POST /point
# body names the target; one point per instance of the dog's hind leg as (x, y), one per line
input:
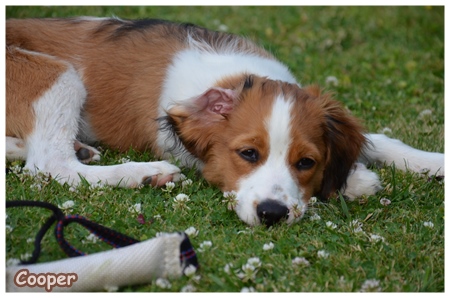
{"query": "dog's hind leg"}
(16, 150)
(50, 133)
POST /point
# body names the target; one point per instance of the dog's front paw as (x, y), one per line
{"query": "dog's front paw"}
(166, 172)
(433, 165)
(361, 181)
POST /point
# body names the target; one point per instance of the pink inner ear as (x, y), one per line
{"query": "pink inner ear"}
(217, 100)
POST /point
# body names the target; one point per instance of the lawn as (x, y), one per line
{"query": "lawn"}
(386, 64)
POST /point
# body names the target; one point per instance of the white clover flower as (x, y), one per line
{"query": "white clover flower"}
(428, 224)
(386, 130)
(30, 240)
(227, 268)
(180, 201)
(204, 246)
(16, 169)
(91, 238)
(425, 113)
(230, 199)
(385, 201)
(8, 228)
(312, 200)
(300, 261)
(331, 225)
(169, 186)
(186, 182)
(163, 283)
(323, 254)
(191, 232)
(67, 205)
(25, 256)
(124, 159)
(355, 222)
(223, 28)
(188, 289)
(358, 230)
(314, 217)
(248, 272)
(268, 246)
(376, 238)
(42, 177)
(36, 186)
(248, 290)
(356, 226)
(370, 285)
(248, 268)
(182, 198)
(190, 270)
(298, 211)
(136, 208)
(255, 261)
(157, 216)
(332, 80)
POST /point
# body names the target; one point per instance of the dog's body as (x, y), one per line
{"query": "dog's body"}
(207, 98)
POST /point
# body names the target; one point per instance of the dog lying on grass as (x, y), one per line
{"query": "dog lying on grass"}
(210, 99)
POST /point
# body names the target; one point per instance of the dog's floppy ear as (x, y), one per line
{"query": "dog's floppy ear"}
(344, 140)
(195, 121)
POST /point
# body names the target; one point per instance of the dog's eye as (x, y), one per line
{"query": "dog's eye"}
(250, 155)
(305, 164)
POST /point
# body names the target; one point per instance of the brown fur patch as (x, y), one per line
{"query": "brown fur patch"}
(123, 65)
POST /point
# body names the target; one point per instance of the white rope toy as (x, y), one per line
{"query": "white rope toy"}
(138, 263)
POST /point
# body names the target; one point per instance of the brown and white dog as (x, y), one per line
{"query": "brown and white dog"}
(209, 99)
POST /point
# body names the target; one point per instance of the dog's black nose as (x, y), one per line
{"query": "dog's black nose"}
(270, 212)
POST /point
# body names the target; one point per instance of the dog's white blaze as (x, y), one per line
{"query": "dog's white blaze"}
(272, 180)
(279, 130)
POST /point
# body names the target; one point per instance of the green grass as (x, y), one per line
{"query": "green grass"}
(389, 62)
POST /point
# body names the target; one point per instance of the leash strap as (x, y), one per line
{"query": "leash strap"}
(109, 236)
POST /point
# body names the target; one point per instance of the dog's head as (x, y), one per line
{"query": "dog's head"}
(272, 143)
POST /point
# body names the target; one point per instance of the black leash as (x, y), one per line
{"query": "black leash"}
(109, 236)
